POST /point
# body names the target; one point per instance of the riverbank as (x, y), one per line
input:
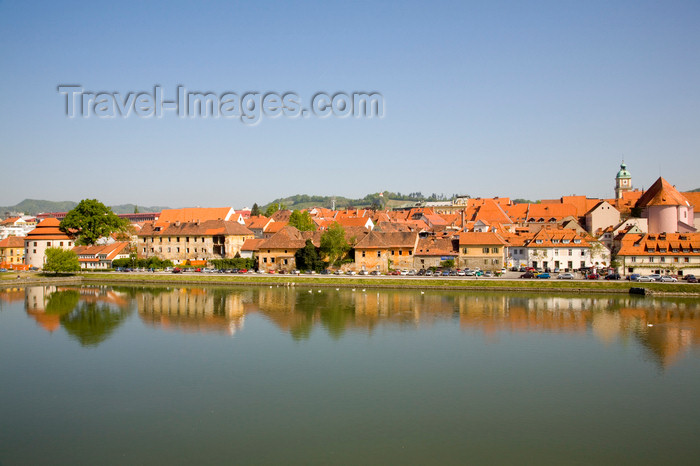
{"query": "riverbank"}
(680, 289)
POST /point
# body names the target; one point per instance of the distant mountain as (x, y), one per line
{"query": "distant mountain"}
(696, 190)
(129, 208)
(35, 206)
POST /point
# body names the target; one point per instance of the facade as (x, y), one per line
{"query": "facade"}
(17, 226)
(192, 241)
(11, 252)
(44, 236)
(431, 251)
(663, 253)
(385, 251)
(602, 216)
(482, 250)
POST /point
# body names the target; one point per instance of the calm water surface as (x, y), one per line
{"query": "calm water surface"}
(128, 375)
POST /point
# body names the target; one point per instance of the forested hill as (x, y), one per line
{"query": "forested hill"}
(36, 206)
(389, 199)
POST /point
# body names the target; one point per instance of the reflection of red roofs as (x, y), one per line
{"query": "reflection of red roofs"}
(49, 322)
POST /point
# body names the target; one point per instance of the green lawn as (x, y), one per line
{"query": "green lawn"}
(622, 286)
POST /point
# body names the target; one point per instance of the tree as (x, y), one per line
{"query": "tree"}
(255, 211)
(334, 246)
(136, 209)
(92, 220)
(302, 221)
(61, 260)
(307, 257)
(274, 207)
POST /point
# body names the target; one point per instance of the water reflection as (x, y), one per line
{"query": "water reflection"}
(667, 328)
(89, 315)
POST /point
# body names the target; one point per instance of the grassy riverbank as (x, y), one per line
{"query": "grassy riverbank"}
(27, 279)
(428, 283)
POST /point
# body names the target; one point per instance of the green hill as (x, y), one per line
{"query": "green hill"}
(388, 200)
(36, 206)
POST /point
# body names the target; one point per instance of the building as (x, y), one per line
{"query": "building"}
(481, 250)
(17, 226)
(600, 217)
(45, 235)
(666, 209)
(432, 251)
(662, 253)
(12, 252)
(623, 181)
(192, 241)
(98, 257)
(384, 251)
(276, 253)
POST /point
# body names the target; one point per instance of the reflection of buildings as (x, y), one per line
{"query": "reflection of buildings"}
(36, 298)
(665, 328)
(43, 305)
(193, 309)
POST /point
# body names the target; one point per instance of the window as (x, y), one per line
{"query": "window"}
(379, 253)
(400, 252)
(168, 249)
(272, 259)
(410, 252)
(495, 250)
(393, 252)
(556, 252)
(571, 252)
(633, 259)
(144, 250)
(485, 250)
(686, 259)
(651, 259)
(363, 253)
(285, 262)
(61, 243)
(187, 250)
(34, 243)
(663, 259)
(265, 260)
(177, 249)
(465, 250)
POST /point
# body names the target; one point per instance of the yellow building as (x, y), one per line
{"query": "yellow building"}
(483, 250)
(11, 251)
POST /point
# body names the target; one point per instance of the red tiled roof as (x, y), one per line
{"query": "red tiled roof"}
(662, 193)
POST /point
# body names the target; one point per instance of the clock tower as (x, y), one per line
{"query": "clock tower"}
(623, 181)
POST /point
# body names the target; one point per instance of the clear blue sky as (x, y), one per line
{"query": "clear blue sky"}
(511, 98)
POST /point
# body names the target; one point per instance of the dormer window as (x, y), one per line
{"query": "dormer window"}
(577, 241)
(555, 241)
(566, 241)
(538, 241)
(662, 249)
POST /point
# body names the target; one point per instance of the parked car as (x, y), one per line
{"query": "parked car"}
(612, 276)
(655, 277)
(461, 273)
(296, 272)
(528, 274)
(363, 272)
(668, 278)
(633, 277)
(176, 270)
(689, 277)
(644, 278)
(351, 272)
(488, 274)
(428, 273)
(376, 272)
(543, 275)
(565, 276)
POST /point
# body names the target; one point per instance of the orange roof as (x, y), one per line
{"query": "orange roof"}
(478, 238)
(662, 193)
(694, 199)
(274, 227)
(252, 244)
(257, 221)
(9, 221)
(663, 244)
(47, 229)
(12, 242)
(194, 214)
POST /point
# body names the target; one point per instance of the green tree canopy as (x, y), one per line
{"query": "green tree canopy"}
(334, 246)
(255, 211)
(61, 261)
(302, 221)
(274, 207)
(307, 258)
(92, 220)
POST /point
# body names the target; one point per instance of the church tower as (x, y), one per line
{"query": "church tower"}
(623, 181)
